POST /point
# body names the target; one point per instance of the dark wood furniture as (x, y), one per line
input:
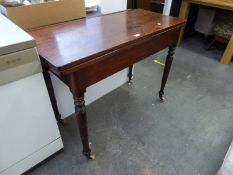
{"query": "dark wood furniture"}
(83, 52)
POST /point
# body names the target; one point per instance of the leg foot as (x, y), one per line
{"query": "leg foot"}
(80, 112)
(89, 155)
(130, 82)
(59, 120)
(130, 75)
(161, 97)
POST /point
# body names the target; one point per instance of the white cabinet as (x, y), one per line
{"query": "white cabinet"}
(28, 129)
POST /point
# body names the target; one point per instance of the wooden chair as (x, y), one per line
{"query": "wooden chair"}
(223, 29)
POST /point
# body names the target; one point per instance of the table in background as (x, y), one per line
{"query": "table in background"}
(222, 4)
(83, 52)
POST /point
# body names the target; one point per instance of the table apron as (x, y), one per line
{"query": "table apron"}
(102, 67)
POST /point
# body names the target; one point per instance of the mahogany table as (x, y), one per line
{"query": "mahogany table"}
(83, 52)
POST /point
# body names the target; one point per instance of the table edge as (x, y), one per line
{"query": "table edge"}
(63, 68)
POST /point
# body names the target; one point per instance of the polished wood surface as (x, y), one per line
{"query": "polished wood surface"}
(81, 53)
(222, 4)
(74, 42)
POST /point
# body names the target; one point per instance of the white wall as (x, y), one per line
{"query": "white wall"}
(167, 7)
(111, 6)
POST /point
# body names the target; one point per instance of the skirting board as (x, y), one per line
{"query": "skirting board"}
(34, 158)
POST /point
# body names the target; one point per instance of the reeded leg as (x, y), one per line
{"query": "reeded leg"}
(80, 112)
(130, 75)
(53, 100)
(167, 68)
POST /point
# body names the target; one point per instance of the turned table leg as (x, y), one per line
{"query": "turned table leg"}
(167, 68)
(80, 112)
(130, 74)
(52, 97)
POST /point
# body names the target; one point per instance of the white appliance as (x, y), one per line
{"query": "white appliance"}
(28, 129)
(167, 7)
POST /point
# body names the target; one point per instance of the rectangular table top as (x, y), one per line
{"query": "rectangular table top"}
(71, 43)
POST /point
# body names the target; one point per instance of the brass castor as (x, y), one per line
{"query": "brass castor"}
(89, 155)
(130, 82)
(161, 97)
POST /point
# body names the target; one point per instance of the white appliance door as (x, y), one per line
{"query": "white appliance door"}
(27, 122)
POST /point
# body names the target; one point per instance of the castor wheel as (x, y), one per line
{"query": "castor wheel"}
(130, 82)
(59, 120)
(89, 155)
(161, 97)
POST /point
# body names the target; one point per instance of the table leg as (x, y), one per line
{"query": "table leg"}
(52, 97)
(167, 68)
(228, 54)
(80, 112)
(130, 75)
(184, 12)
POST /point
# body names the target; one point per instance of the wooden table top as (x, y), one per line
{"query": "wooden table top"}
(72, 43)
(223, 4)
